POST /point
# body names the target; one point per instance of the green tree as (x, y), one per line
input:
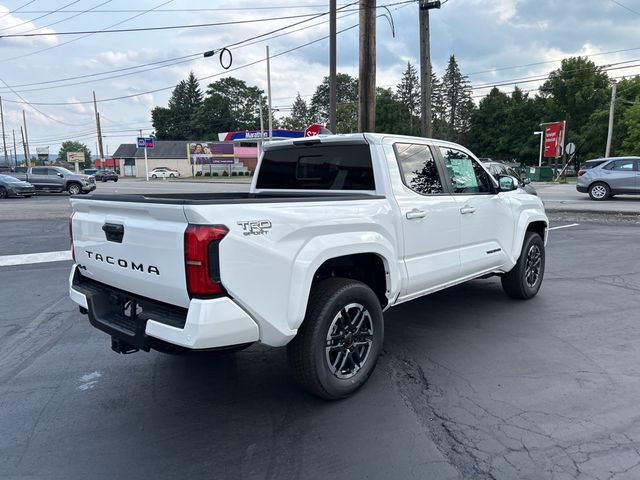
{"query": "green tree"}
(347, 98)
(489, 126)
(300, 117)
(408, 96)
(579, 92)
(74, 146)
(438, 107)
(389, 113)
(177, 121)
(457, 102)
(631, 120)
(230, 105)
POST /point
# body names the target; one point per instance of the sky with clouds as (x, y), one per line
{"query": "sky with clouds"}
(52, 77)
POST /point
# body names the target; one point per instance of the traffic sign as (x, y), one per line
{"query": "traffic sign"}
(570, 148)
(146, 142)
(312, 130)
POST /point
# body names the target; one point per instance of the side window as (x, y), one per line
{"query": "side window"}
(39, 171)
(467, 176)
(418, 168)
(52, 171)
(623, 165)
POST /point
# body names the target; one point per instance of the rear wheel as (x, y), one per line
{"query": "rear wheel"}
(599, 191)
(525, 278)
(74, 189)
(154, 176)
(171, 175)
(3, 193)
(340, 339)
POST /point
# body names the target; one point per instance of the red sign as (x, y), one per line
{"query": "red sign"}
(553, 138)
(313, 130)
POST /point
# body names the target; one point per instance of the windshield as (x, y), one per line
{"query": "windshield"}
(9, 179)
(64, 170)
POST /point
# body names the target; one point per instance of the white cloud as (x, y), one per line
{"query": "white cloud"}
(10, 24)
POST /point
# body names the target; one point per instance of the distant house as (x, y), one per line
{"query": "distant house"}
(166, 153)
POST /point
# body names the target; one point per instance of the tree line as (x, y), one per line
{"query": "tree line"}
(499, 126)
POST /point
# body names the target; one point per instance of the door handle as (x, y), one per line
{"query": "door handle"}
(415, 213)
(467, 209)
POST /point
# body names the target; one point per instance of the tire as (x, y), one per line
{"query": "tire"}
(4, 193)
(525, 278)
(172, 175)
(74, 189)
(309, 355)
(599, 191)
(115, 180)
(154, 176)
(104, 180)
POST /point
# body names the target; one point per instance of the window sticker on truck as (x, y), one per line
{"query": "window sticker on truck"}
(255, 227)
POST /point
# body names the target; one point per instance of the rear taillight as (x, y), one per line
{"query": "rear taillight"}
(73, 253)
(581, 172)
(201, 259)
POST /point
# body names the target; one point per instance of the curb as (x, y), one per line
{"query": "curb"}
(211, 181)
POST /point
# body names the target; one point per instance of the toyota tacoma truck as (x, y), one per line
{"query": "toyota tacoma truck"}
(55, 179)
(333, 231)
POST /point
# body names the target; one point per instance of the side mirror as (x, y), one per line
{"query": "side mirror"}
(526, 181)
(507, 183)
(60, 175)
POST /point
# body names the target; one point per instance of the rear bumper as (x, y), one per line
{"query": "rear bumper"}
(582, 189)
(206, 324)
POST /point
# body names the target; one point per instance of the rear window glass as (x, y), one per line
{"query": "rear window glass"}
(317, 167)
(592, 164)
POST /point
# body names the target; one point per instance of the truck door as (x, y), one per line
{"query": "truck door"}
(430, 220)
(487, 222)
(40, 179)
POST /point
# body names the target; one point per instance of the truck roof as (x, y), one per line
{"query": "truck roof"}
(372, 138)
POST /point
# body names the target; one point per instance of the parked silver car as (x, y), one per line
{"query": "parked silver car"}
(603, 178)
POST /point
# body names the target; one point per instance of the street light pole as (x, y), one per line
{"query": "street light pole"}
(541, 143)
(611, 112)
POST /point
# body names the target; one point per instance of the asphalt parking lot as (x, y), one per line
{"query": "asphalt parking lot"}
(472, 385)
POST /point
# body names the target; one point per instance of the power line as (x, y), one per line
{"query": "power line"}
(196, 10)
(83, 36)
(625, 7)
(170, 62)
(19, 8)
(174, 27)
(165, 27)
(38, 18)
(77, 14)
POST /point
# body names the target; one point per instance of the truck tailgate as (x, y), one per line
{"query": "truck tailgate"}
(136, 247)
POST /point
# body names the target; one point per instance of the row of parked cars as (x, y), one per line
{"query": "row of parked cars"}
(26, 181)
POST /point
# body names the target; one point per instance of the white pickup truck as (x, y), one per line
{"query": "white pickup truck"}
(334, 230)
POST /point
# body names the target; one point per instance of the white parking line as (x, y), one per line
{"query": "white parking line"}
(564, 226)
(29, 258)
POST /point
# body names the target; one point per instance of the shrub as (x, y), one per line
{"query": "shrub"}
(215, 174)
(234, 174)
(198, 174)
(207, 174)
(225, 173)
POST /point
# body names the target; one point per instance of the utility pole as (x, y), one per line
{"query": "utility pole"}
(24, 147)
(26, 140)
(333, 86)
(4, 140)
(611, 112)
(269, 94)
(95, 108)
(15, 150)
(426, 129)
(367, 67)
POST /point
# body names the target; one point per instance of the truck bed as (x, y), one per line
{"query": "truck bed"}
(230, 198)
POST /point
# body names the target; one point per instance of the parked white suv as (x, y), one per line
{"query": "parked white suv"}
(335, 230)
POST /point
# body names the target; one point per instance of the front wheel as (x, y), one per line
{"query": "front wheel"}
(74, 189)
(172, 175)
(525, 278)
(3, 193)
(340, 339)
(599, 191)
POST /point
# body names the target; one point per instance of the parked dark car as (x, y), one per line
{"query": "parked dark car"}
(498, 168)
(12, 187)
(105, 176)
(90, 171)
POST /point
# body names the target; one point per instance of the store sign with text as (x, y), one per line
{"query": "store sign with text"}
(553, 139)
